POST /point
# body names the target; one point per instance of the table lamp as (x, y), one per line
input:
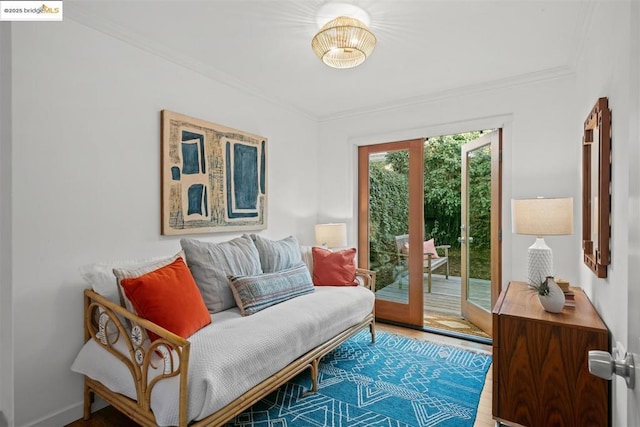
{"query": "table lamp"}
(333, 235)
(541, 217)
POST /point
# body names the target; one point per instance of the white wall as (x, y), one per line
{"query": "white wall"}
(633, 410)
(543, 131)
(6, 378)
(86, 184)
(540, 150)
(605, 70)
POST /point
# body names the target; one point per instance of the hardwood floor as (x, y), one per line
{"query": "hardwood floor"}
(108, 417)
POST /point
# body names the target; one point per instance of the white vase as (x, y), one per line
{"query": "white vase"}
(554, 301)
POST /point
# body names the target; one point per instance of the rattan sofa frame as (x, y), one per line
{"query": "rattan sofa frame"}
(104, 325)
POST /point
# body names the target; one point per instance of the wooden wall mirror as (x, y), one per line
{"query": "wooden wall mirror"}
(596, 188)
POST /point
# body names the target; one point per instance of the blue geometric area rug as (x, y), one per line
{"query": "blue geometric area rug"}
(395, 382)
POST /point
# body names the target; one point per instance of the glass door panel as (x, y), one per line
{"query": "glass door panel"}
(390, 220)
(478, 281)
(479, 231)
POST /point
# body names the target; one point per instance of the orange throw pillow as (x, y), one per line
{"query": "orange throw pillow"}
(169, 297)
(334, 268)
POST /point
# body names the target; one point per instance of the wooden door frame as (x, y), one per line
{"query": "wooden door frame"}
(413, 312)
(481, 318)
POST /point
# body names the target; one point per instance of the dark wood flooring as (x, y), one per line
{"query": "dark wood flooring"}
(106, 417)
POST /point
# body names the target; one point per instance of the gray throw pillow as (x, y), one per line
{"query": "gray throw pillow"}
(277, 255)
(212, 263)
(255, 293)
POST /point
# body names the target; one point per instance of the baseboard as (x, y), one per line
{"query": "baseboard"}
(59, 418)
(67, 415)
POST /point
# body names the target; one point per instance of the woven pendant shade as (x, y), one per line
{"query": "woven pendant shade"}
(343, 42)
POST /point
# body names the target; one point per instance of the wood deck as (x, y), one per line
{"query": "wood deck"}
(445, 294)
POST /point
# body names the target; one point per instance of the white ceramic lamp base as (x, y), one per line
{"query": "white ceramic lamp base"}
(540, 262)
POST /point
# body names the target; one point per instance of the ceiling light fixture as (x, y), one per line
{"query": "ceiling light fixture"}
(344, 42)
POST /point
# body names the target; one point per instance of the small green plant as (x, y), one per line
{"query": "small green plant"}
(542, 287)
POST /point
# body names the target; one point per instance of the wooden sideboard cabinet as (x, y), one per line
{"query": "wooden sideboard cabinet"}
(540, 362)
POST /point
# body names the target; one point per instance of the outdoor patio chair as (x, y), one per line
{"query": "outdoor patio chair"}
(430, 263)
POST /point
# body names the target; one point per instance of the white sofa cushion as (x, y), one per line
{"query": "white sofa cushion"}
(235, 353)
(99, 275)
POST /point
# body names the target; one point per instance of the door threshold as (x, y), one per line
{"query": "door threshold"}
(443, 332)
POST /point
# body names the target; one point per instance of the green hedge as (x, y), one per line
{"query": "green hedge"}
(389, 204)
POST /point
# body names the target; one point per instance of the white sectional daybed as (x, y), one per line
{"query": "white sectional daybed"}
(243, 354)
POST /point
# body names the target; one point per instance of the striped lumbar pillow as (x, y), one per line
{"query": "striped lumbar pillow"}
(255, 293)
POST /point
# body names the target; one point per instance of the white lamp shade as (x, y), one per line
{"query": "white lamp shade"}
(332, 235)
(542, 217)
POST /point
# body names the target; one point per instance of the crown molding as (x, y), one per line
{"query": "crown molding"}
(583, 24)
(466, 124)
(433, 97)
(78, 13)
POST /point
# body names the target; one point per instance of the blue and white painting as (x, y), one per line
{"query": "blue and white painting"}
(214, 178)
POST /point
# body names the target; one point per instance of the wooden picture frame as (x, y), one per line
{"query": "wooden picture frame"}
(596, 188)
(214, 178)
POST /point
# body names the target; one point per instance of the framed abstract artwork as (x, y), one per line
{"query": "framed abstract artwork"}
(214, 178)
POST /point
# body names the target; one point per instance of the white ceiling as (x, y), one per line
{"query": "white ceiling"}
(425, 48)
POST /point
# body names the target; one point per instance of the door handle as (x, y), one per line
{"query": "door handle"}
(604, 365)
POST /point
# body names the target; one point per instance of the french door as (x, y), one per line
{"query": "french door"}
(480, 228)
(399, 281)
(391, 215)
